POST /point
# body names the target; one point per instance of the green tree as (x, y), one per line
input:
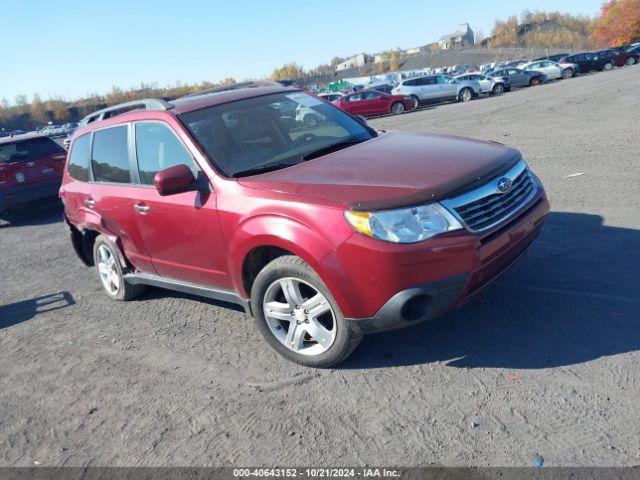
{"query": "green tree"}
(288, 71)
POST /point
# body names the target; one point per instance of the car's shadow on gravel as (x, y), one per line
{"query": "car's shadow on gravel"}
(33, 216)
(571, 299)
(18, 312)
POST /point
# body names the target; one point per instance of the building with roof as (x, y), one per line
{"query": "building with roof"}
(463, 37)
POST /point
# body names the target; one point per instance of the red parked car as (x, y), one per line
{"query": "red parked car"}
(31, 169)
(620, 56)
(323, 234)
(369, 103)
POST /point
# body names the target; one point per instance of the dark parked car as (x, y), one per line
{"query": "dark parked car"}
(518, 77)
(322, 234)
(588, 62)
(372, 102)
(30, 170)
(620, 56)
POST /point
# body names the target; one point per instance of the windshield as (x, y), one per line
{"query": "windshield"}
(272, 131)
(26, 150)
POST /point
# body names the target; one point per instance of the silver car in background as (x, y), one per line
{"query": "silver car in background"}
(493, 86)
(553, 70)
(437, 88)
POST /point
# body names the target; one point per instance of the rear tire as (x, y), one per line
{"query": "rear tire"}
(465, 95)
(111, 273)
(397, 108)
(630, 61)
(535, 81)
(567, 73)
(268, 298)
(416, 101)
(607, 66)
(497, 89)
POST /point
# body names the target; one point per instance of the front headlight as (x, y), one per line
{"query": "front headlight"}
(406, 225)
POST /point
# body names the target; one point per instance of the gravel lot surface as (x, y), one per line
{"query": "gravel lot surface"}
(546, 361)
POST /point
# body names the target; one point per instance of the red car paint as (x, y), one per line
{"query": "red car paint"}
(31, 168)
(369, 103)
(206, 237)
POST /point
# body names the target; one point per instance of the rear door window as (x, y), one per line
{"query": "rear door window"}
(79, 159)
(371, 95)
(157, 148)
(110, 155)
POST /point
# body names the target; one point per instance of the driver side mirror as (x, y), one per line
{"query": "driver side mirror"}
(362, 121)
(176, 179)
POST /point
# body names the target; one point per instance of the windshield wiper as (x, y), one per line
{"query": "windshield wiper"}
(261, 169)
(331, 148)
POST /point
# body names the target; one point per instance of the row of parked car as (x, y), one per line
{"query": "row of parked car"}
(493, 79)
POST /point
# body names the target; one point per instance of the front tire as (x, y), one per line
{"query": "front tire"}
(111, 273)
(567, 73)
(297, 315)
(630, 61)
(607, 66)
(465, 95)
(397, 108)
(497, 89)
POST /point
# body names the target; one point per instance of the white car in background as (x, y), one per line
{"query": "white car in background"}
(553, 70)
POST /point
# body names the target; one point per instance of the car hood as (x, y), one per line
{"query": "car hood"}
(392, 170)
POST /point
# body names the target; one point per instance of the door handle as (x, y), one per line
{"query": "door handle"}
(141, 208)
(89, 203)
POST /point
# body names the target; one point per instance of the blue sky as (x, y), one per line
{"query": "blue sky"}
(71, 47)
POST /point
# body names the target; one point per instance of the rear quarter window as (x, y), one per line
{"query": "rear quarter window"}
(79, 159)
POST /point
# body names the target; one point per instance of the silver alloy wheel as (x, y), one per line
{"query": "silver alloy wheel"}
(630, 61)
(608, 66)
(108, 270)
(466, 95)
(397, 108)
(498, 88)
(299, 316)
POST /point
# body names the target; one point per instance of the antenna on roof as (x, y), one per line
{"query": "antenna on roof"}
(144, 104)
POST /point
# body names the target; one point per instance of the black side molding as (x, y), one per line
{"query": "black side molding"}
(190, 288)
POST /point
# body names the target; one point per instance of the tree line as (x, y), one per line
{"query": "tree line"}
(617, 24)
(24, 114)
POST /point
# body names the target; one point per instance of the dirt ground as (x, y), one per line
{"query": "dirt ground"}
(546, 361)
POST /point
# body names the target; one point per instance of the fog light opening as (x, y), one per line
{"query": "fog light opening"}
(416, 308)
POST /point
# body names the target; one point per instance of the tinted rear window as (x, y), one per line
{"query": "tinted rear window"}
(25, 150)
(79, 159)
(110, 155)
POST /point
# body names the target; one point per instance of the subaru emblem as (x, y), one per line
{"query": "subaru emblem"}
(504, 185)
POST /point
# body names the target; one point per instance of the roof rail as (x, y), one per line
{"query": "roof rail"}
(146, 104)
(234, 86)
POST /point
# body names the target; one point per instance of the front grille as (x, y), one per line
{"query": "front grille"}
(486, 206)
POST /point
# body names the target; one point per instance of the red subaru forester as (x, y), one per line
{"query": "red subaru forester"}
(322, 233)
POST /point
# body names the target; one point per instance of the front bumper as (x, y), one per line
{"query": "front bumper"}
(455, 269)
(28, 194)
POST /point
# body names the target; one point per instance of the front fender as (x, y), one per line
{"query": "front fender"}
(281, 232)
